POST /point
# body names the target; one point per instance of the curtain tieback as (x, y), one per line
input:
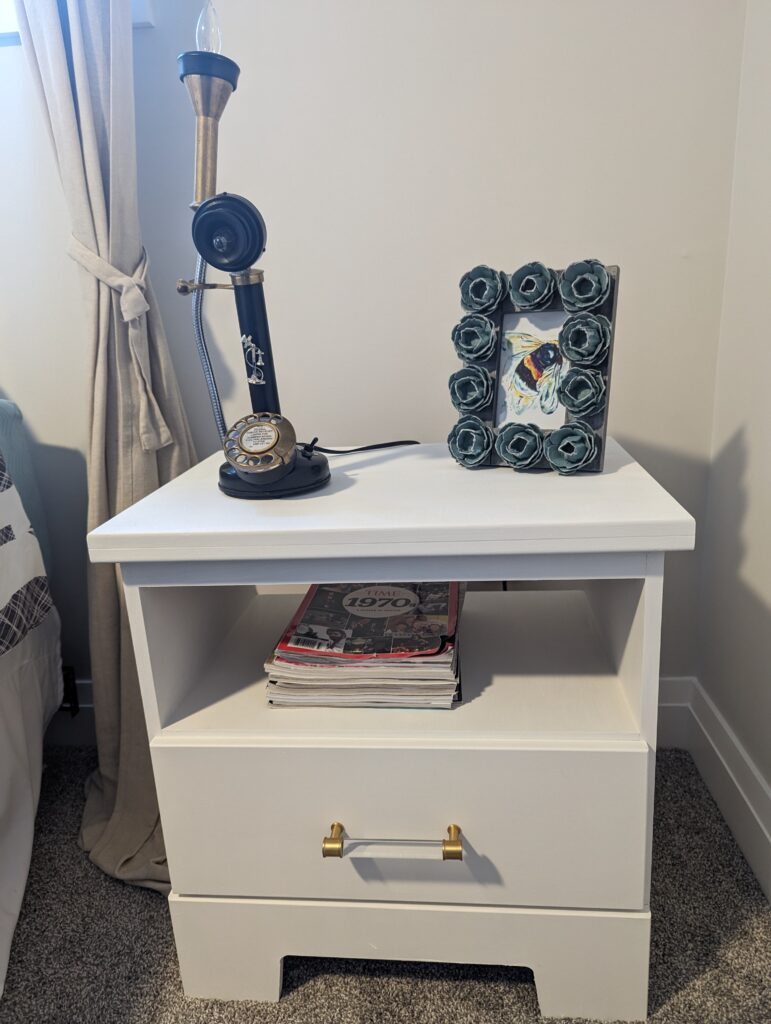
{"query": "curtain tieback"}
(154, 432)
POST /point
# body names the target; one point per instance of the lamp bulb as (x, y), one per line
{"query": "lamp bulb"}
(207, 31)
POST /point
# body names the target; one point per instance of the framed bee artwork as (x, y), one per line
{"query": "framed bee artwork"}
(537, 349)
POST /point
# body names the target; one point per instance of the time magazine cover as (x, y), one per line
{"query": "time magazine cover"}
(341, 621)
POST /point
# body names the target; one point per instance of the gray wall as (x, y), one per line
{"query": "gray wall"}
(390, 147)
(735, 664)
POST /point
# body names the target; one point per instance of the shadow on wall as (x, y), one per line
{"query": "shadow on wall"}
(61, 478)
(686, 478)
(712, 615)
(735, 620)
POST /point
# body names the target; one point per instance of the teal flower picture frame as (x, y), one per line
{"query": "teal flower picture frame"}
(536, 350)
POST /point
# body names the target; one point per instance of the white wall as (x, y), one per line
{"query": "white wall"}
(392, 146)
(736, 609)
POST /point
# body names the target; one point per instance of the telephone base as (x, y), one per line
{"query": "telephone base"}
(309, 472)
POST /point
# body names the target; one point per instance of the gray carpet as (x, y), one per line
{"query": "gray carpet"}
(89, 950)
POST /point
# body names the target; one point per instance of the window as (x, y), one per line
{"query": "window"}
(9, 25)
(141, 10)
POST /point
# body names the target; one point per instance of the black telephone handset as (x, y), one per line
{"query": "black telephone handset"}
(263, 458)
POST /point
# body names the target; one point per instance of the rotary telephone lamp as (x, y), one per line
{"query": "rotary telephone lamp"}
(263, 459)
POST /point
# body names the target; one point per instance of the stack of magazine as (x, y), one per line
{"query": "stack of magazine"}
(369, 645)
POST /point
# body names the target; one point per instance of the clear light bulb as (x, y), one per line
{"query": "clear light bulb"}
(207, 31)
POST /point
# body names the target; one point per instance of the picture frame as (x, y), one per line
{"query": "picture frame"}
(536, 348)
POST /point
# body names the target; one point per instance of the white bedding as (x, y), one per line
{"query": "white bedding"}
(30, 692)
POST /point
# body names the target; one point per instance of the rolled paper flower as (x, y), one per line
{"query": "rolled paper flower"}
(584, 285)
(520, 444)
(571, 447)
(481, 289)
(584, 339)
(470, 441)
(474, 338)
(532, 286)
(582, 392)
(471, 389)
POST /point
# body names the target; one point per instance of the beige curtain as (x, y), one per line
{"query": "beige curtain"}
(80, 52)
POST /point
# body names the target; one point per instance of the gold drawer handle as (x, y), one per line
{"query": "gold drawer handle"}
(452, 847)
(332, 845)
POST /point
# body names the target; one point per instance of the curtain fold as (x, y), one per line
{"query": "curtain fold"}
(80, 53)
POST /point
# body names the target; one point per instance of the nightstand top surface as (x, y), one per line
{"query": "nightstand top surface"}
(399, 502)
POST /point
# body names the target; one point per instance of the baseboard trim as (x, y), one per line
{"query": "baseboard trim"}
(689, 719)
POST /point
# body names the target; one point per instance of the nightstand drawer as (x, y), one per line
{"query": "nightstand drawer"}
(540, 827)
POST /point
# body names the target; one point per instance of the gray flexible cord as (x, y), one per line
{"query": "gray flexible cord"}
(203, 352)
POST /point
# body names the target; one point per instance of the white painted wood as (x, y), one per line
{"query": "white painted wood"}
(689, 719)
(628, 614)
(746, 778)
(618, 611)
(183, 628)
(742, 797)
(650, 651)
(142, 656)
(675, 724)
(411, 501)
(676, 690)
(519, 684)
(565, 566)
(589, 964)
(739, 789)
(546, 828)
(547, 765)
(648, 673)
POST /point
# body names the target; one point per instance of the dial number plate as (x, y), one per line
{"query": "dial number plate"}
(259, 438)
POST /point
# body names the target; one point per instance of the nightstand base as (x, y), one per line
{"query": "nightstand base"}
(586, 963)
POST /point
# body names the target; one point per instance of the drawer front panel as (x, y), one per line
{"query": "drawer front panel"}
(547, 828)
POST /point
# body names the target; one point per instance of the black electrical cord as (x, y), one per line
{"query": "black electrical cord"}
(311, 446)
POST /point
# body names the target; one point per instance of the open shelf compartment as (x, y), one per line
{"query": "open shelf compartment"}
(560, 662)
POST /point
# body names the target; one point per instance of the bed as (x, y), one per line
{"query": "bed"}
(30, 666)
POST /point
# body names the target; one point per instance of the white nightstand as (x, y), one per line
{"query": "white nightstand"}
(547, 766)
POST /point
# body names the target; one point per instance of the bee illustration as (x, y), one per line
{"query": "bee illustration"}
(534, 375)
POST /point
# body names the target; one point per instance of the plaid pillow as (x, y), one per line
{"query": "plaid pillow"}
(25, 599)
